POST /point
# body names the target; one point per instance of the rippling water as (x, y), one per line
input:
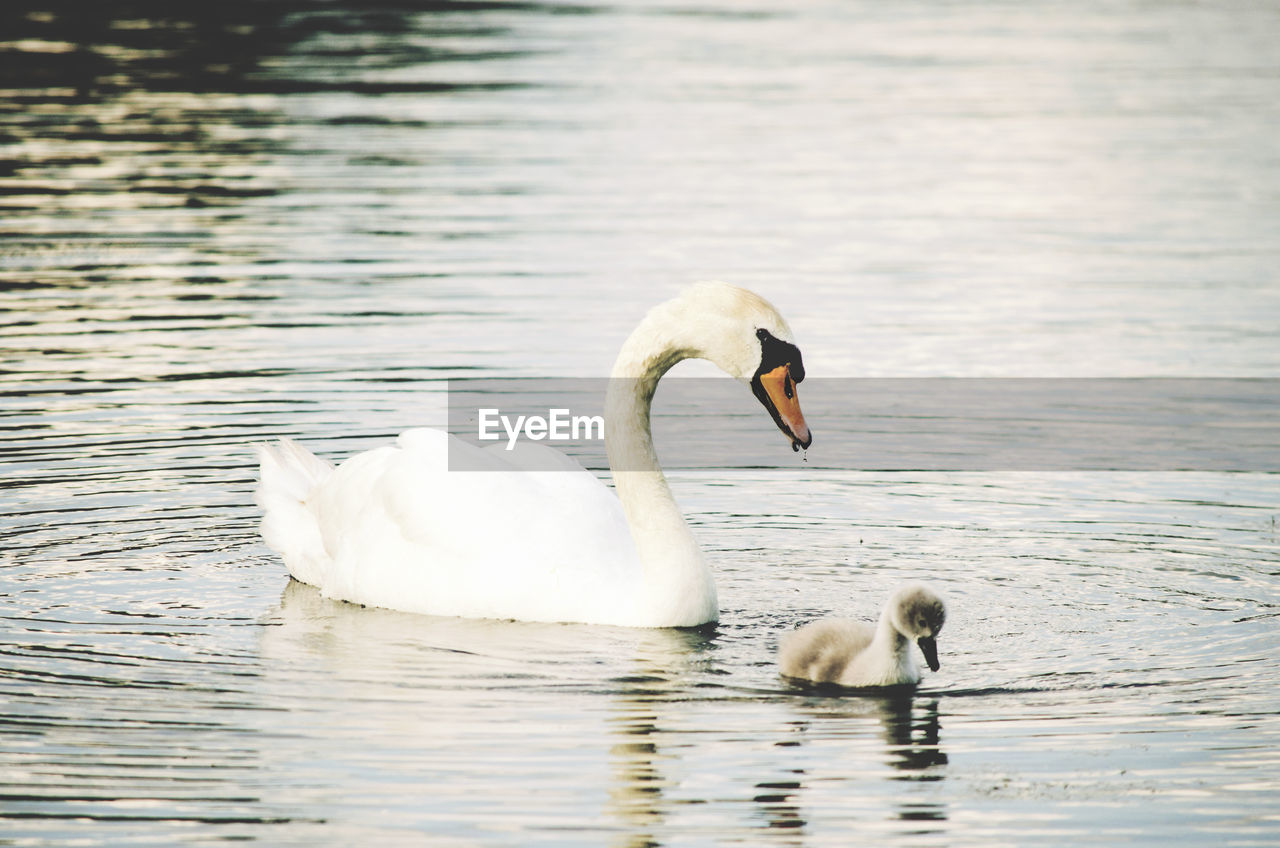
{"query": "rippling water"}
(229, 223)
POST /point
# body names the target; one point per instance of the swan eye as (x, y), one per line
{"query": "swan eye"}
(762, 333)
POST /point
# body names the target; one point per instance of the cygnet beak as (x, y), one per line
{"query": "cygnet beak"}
(930, 650)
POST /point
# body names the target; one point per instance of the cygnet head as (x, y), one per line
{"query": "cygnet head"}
(918, 613)
(743, 334)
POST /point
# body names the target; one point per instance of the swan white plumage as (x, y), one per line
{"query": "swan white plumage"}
(855, 654)
(393, 527)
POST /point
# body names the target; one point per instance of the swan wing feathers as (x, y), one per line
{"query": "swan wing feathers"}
(822, 650)
(402, 531)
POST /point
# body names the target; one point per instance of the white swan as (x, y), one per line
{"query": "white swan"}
(855, 654)
(393, 528)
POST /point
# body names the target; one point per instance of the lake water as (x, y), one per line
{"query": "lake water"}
(243, 220)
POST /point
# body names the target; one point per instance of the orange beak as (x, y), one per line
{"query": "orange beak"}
(781, 400)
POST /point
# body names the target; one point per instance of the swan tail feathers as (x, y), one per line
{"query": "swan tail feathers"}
(288, 474)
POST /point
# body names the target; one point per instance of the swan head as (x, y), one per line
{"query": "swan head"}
(743, 334)
(918, 613)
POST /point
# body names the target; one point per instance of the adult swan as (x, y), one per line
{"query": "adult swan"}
(393, 528)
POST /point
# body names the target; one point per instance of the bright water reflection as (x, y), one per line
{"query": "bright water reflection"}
(240, 220)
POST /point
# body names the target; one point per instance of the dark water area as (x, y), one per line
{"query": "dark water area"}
(223, 223)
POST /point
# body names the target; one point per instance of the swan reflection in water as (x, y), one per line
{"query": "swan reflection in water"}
(474, 724)
(486, 724)
(643, 724)
(651, 709)
(909, 729)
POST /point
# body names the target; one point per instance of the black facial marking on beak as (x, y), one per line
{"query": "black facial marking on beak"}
(930, 650)
(774, 385)
(775, 352)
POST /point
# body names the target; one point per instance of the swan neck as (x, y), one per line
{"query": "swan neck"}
(678, 587)
(888, 635)
(647, 354)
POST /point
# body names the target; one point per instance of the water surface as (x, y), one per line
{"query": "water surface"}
(226, 224)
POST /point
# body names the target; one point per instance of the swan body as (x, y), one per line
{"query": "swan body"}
(856, 654)
(393, 527)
